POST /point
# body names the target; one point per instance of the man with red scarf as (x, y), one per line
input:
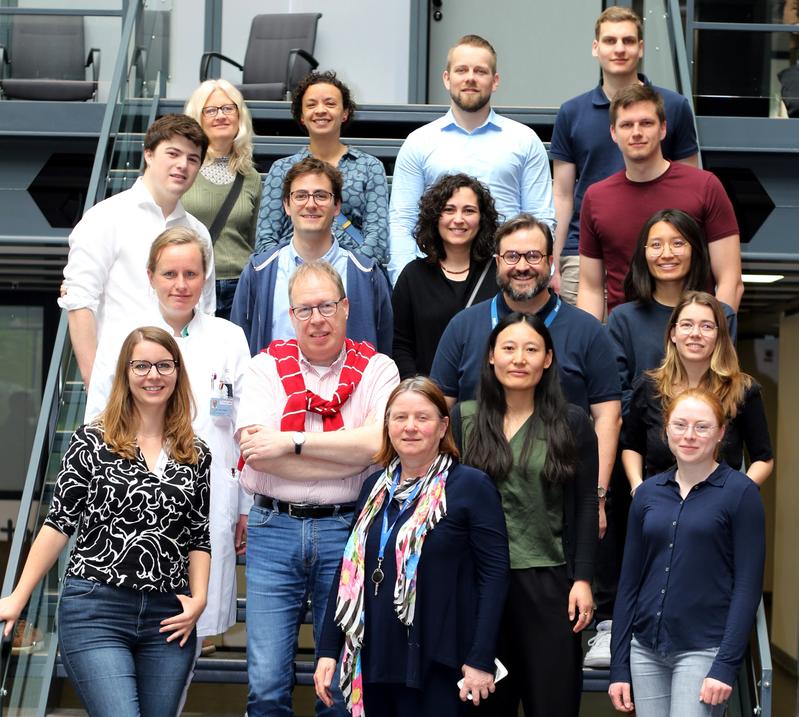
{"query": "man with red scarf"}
(310, 420)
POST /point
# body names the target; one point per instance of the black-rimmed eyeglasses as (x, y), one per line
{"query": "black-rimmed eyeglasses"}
(224, 109)
(511, 257)
(326, 309)
(142, 368)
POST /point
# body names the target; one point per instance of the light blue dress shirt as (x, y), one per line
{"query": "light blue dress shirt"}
(288, 261)
(504, 154)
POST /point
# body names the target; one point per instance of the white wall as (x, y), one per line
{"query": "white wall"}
(365, 41)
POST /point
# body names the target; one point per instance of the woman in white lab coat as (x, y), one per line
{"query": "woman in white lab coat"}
(215, 354)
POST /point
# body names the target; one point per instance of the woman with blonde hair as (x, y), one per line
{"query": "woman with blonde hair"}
(227, 192)
(698, 354)
(134, 485)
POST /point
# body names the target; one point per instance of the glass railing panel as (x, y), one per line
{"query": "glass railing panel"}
(737, 72)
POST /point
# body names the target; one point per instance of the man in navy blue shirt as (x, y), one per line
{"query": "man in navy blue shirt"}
(582, 348)
(582, 148)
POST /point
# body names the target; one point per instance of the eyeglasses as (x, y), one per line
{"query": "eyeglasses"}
(320, 197)
(224, 109)
(512, 258)
(165, 367)
(680, 428)
(706, 328)
(326, 309)
(656, 247)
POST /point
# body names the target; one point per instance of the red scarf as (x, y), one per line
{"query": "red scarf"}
(300, 400)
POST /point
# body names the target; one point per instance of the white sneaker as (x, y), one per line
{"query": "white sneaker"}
(599, 654)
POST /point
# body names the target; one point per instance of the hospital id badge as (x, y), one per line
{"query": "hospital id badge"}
(222, 406)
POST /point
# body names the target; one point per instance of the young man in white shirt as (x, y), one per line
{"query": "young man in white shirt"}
(105, 287)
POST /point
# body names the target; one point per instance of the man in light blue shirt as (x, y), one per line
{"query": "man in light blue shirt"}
(505, 155)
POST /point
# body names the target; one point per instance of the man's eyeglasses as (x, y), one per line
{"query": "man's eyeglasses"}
(511, 257)
(657, 247)
(706, 328)
(165, 367)
(326, 309)
(224, 109)
(320, 197)
(680, 428)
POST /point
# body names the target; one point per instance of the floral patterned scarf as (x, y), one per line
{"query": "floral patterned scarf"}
(431, 507)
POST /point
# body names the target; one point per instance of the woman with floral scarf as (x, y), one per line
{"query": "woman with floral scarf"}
(419, 597)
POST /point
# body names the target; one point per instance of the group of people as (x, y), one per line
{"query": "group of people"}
(398, 412)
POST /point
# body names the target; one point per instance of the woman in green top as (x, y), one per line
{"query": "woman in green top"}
(542, 453)
(220, 109)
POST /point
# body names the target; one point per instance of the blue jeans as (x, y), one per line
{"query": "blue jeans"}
(668, 686)
(288, 561)
(112, 650)
(225, 291)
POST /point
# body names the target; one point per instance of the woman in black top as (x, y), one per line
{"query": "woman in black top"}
(135, 486)
(698, 354)
(542, 454)
(455, 230)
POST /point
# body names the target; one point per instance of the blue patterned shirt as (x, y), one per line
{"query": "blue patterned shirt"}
(505, 155)
(364, 203)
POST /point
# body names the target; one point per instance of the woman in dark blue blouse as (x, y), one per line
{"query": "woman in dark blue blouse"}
(692, 574)
(134, 485)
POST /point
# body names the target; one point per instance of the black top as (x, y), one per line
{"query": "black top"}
(461, 582)
(424, 301)
(580, 510)
(135, 529)
(642, 430)
(692, 573)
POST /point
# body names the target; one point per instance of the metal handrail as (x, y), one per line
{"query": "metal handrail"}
(55, 383)
(766, 680)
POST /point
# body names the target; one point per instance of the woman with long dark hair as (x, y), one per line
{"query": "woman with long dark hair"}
(698, 354)
(134, 485)
(542, 454)
(455, 230)
(670, 258)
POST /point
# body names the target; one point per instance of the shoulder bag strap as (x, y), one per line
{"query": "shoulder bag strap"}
(227, 206)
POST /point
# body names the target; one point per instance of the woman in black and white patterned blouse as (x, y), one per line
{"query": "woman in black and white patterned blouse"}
(135, 486)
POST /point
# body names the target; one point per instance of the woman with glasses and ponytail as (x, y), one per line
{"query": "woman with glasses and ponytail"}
(134, 485)
(692, 573)
(698, 354)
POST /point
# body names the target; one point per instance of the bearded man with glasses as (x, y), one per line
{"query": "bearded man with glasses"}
(309, 423)
(312, 199)
(584, 354)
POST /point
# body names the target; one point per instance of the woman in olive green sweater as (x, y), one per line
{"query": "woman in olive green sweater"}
(220, 109)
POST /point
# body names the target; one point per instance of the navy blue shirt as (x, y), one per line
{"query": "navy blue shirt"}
(581, 136)
(638, 331)
(583, 351)
(692, 573)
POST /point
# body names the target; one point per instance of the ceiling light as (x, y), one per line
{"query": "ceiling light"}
(761, 278)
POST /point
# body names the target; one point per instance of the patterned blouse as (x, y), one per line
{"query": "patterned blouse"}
(135, 528)
(364, 201)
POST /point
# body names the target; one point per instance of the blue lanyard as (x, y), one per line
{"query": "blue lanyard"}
(386, 528)
(547, 321)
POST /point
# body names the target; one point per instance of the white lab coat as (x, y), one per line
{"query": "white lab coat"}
(214, 352)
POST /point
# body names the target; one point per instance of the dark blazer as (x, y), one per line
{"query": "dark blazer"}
(462, 581)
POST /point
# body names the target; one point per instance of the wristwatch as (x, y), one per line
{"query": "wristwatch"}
(299, 439)
(601, 492)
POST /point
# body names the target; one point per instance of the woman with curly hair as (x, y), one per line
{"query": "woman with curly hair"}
(322, 105)
(698, 354)
(226, 194)
(455, 230)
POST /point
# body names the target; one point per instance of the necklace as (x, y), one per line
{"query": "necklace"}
(450, 271)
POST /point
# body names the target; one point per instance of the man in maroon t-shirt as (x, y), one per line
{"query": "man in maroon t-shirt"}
(615, 209)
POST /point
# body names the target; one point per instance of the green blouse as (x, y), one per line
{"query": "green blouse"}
(533, 507)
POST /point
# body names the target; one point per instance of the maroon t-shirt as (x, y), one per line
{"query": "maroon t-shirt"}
(615, 209)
